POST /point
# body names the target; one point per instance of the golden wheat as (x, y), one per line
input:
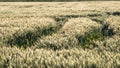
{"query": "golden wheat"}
(51, 34)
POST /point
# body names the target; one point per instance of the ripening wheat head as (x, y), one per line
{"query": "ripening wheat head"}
(79, 26)
(114, 23)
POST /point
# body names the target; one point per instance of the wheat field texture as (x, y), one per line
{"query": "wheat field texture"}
(60, 34)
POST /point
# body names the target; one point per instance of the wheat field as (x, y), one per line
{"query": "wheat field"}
(60, 34)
